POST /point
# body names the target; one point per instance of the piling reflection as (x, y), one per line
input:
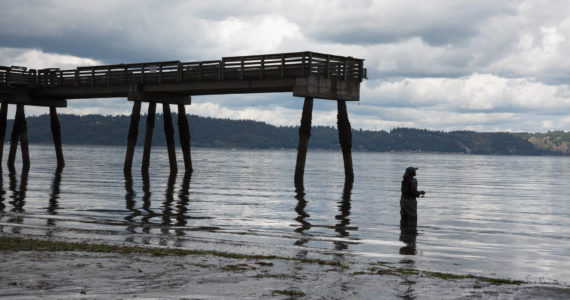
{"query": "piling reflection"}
(301, 214)
(55, 191)
(53, 204)
(183, 200)
(18, 190)
(167, 204)
(2, 194)
(130, 203)
(148, 213)
(18, 196)
(342, 226)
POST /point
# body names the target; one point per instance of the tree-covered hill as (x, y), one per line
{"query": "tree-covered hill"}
(210, 132)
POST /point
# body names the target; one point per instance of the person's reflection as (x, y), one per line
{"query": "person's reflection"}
(343, 221)
(301, 214)
(408, 233)
(54, 197)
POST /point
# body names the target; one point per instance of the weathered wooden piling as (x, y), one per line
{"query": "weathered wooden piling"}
(19, 133)
(345, 140)
(3, 116)
(184, 133)
(304, 134)
(56, 134)
(148, 136)
(169, 135)
(132, 139)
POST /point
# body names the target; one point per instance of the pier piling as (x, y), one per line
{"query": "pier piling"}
(169, 135)
(132, 139)
(19, 133)
(345, 140)
(148, 136)
(56, 134)
(3, 116)
(304, 134)
(184, 133)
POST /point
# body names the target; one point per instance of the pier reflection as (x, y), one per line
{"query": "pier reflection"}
(302, 215)
(342, 227)
(53, 204)
(173, 212)
(18, 197)
(18, 190)
(2, 194)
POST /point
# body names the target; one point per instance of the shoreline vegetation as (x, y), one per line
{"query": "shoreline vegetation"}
(15, 244)
(35, 268)
(247, 134)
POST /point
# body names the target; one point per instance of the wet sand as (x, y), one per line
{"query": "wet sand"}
(89, 275)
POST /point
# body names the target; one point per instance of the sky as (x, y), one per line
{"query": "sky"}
(444, 65)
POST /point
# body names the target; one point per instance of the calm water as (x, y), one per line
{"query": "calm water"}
(488, 215)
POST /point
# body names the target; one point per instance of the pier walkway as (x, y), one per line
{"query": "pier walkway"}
(304, 74)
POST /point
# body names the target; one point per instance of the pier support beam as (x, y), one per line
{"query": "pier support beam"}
(304, 134)
(19, 133)
(132, 139)
(56, 134)
(148, 136)
(3, 116)
(169, 135)
(345, 139)
(184, 133)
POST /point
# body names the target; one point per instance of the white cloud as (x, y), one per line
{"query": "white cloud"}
(37, 59)
(472, 65)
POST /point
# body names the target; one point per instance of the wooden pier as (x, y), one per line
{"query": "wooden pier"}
(305, 74)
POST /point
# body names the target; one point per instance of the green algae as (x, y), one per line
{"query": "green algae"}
(381, 268)
(21, 244)
(290, 293)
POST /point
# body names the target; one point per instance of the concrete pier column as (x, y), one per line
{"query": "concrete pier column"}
(56, 134)
(184, 133)
(169, 135)
(3, 117)
(345, 139)
(148, 136)
(132, 138)
(304, 134)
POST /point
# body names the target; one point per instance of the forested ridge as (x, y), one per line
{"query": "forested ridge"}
(247, 134)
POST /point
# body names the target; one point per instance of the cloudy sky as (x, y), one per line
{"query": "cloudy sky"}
(447, 65)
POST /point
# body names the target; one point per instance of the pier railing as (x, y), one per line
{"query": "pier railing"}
(300, 64)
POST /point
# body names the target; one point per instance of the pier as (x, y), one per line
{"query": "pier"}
(308, 75)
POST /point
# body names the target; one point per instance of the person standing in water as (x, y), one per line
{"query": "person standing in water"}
(408, 203)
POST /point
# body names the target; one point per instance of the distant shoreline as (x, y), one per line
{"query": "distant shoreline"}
(244, 134)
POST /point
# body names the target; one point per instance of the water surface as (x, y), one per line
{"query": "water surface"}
(499, 216)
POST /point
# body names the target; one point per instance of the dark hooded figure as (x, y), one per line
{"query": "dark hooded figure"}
(408, 203)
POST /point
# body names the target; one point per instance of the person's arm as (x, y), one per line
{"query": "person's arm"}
(415, 188)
